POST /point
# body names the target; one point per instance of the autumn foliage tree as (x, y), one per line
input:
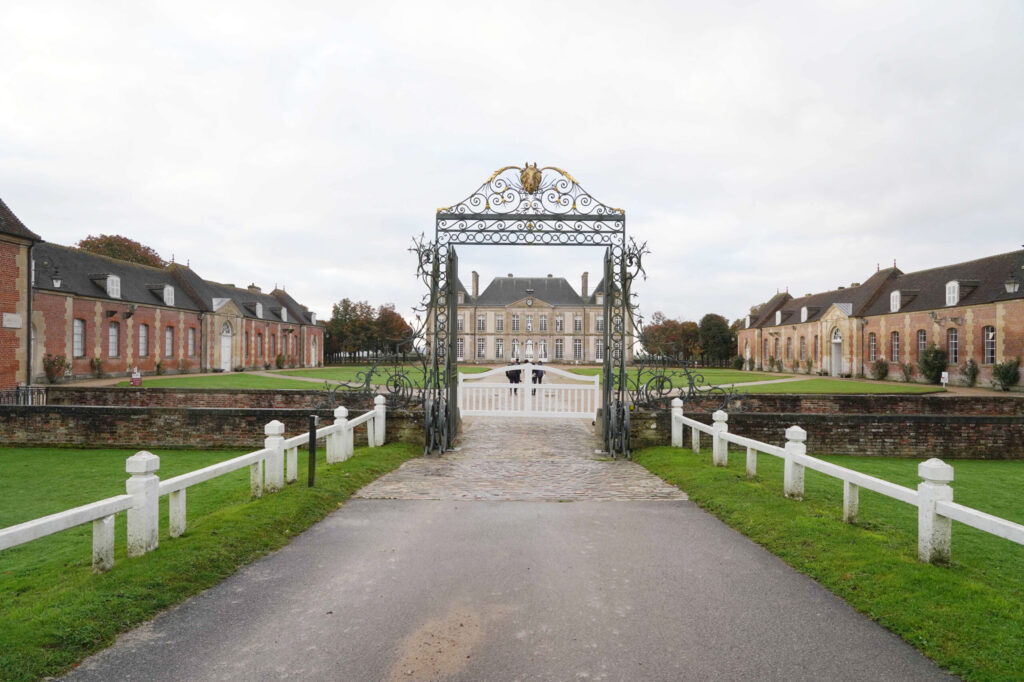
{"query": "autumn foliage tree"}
(355, 327)
(122, 248)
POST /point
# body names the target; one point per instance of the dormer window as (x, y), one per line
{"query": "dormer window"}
(113, 286)
(778, 317)
(259, 310)
(284, 314)
(312, 318)
(168, 294)
(600, 299)
(952, 292)
(803, 314)
(462, 298)
(895, 303)
(746, 322)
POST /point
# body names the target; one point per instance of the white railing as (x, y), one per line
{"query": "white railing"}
(269, 469)
(933, 498)
(491, 393)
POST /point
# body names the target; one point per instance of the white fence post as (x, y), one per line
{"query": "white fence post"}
(695, 440)
(851, 501)
(103, 544)
(348, 440)
(256, 479)
(793, 472)
(176, 517)
(144, 514)
(378, 420)
(719, 446)
(274, 442)
(933, 530)
(335, 441)
(677, 426)
(751, 462)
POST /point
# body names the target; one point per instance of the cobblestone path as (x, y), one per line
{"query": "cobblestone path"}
(522, 459)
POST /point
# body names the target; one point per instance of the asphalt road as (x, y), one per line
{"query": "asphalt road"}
(423, 590)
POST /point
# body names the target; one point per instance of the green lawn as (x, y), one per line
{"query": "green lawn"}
(54, 611)
(226, 380)
(840, 386)
(969, 616)
(353, 374)
(713, 376)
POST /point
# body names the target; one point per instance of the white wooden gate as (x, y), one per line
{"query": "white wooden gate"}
(560, 393)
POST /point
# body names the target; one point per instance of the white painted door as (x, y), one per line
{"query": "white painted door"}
(225, 348)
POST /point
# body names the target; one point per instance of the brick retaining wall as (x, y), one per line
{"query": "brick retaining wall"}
(880, 435)
(186, 397)
(171, 427)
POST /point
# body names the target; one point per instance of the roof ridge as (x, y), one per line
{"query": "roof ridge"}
(106, 257)
(966, 262)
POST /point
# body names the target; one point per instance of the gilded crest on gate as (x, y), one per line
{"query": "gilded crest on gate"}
(530, 177)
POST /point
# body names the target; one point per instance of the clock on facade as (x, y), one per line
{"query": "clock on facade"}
(529, 301)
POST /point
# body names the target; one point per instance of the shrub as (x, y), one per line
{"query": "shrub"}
(970, 372)
(737, 362)
(879, 369)
(1006, 374)
(239, 368)
(908, 371)
(932, 363)
(159, 367)
(750, 364)
(809, 365)
(97, 367)
(54, 366)
(279, 361)
(266, 365)
(771, 363)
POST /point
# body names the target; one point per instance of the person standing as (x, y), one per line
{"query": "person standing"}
(538, 376)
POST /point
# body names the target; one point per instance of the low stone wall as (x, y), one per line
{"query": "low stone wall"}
(1010, 405)
(872, 435)
(167, 427)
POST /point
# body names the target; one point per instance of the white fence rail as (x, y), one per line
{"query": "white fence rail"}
(269, 469)
(492, 393)
(933, 498)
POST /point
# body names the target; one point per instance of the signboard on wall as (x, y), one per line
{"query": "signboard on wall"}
(12, 321)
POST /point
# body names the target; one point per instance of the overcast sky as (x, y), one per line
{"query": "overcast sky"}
(755, 146)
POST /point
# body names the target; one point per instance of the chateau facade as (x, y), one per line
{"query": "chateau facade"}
(532, 318)
(99, 311)
(973, 311)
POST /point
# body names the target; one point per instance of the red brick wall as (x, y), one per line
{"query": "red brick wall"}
(191, 397)
(12, 297)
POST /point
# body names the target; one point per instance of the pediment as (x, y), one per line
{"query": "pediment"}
(838, 311)
(226, 306)
(537, 303)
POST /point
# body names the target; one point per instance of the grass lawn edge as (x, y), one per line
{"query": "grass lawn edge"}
(77, 625)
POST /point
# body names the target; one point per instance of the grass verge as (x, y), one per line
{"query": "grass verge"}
(840, 386)
(238, 380)
(54, 611)
(968, 616)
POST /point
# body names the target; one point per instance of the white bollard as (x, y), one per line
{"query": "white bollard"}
(793, 472)
(144, 514)
(176, 505)
(274, 442)
(103, 544)
(336, 441)
(719, 446)
(379, 423)
(933, 530)
(677, 426)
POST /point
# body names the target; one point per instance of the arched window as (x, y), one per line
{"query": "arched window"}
(922, 340)
(169, 341)
(515, 349)
(789, 347)
(259, 344)
(837, 336)
(989, 351)
(803, 349)
(777, 356)
(872, 347)
(113, 340)
(746, 349)
(953, 346)
(815, 346)
(894, 347)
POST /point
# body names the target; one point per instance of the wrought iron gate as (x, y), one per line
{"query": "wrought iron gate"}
(527, 206)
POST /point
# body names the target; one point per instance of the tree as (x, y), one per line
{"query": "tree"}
(717, 342)
(391, 330)
(122, 248)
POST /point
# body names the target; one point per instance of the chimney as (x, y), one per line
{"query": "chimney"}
(510, 275)
(583, 287)
(254, 289)
(476, 284)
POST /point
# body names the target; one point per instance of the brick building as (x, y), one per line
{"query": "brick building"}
(532, 318)
(91, 308)
(973, 310)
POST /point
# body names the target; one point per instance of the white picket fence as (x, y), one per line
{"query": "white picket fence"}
(490, 393)
(269, 469)
(933, 498)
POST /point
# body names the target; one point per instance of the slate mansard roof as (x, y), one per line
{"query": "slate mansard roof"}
(981, 282)
(83, 274)
(553, 290)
